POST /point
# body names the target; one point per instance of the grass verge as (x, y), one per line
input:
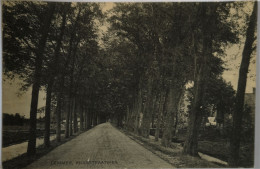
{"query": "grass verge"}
(24, 160)
(173, 154)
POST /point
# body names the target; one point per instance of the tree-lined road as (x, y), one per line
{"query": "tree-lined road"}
(101, 147)
(139, 66)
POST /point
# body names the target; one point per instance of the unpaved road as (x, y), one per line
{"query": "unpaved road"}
(101, 147)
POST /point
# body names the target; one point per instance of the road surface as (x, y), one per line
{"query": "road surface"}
(101, 147)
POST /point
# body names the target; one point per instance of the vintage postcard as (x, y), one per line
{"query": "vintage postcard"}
(128, 84)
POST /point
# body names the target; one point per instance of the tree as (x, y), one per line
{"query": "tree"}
(239, 103)
(52, 73)
(220, 98)
(209, 35)
(155, 59)
(36, 82)
(39, 49)
(23, 37)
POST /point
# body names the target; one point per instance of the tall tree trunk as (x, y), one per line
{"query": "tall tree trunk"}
(200, 83)
(195, 119)
(81, 107)
(85, 118)
(127, 118)
(87, 122)
(178, 112)
(159, 119)
(98, 119)
(172, 102)
(67, 125)
(71, 116)
(138, 108)
(90, 115)
(176, 122)
(58, 117)
(131, 118)
(147, 112)
(191, 143)
(61, 84)
(53, 73)
(154, 109)
(71, 53)
(75, 119)
(239, 104)
(94, 118)
(71, 94)
(31, 149)
(48, 114)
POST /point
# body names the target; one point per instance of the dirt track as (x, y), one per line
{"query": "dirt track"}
(101, 147)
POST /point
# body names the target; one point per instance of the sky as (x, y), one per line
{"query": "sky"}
(12, 103)
(232, 63)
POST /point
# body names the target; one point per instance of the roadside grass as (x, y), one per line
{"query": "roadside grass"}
(209, 144)
(172, 154)
(24, 160)
(221, 150)
(212, 143)
(215, 149)
(11, 138)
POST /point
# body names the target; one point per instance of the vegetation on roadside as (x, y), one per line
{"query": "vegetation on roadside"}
(172, 154)
(24, 160)
(16, 137)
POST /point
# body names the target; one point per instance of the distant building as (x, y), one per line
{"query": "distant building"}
(211, 121)
(249, 102)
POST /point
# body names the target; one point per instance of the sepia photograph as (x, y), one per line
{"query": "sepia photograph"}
(129, 84)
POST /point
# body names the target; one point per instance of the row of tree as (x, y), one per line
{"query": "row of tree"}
(54, 47)
(13, 120)
(162, 49)
(152, 56)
